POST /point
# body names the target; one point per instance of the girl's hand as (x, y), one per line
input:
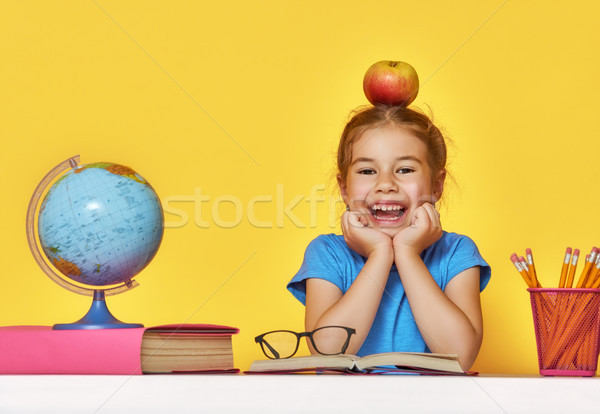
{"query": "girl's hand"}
(362, 239)
(425, 230)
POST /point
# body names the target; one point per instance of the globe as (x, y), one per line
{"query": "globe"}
(99, 225)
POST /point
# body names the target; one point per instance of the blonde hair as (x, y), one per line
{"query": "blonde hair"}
(365, 119)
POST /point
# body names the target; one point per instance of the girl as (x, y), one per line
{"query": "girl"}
(394, 276)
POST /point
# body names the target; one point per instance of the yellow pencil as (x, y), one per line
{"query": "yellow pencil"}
(572, 268)
(521, 270)
(594, 272)
(531, 265)
(596, 284)
(586, 270)
(565, 267)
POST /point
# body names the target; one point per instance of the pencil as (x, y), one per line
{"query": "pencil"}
(586, 270)
(593, 278)
(521, 270)
(572, 268)
(596, 284)
(532, 272)
(524, 266)
(565, 267)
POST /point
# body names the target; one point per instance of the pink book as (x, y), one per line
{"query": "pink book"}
(41, 350)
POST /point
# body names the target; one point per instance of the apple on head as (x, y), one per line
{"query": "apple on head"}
(391, 83)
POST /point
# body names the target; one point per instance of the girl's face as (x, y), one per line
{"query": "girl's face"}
(389, 177)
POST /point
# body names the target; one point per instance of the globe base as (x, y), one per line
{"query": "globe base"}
(98, 317)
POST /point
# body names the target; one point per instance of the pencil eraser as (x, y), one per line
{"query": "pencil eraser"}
(521, 259)
(576, 252)
(595, 249)
(514, 258)
(569, 250)
(528, 251)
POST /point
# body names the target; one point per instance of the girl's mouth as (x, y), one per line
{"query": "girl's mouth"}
(387, 212)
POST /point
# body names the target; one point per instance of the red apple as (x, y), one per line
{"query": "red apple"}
(391, 83)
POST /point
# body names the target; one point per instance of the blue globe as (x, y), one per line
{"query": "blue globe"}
(100, 224)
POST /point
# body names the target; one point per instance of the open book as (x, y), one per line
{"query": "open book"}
(391, 361)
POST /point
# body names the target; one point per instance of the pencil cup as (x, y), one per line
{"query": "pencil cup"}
(567, 325)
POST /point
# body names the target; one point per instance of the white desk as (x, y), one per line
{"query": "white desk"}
(297, 394)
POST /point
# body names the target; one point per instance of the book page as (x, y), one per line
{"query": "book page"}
(440, 362)
(302, 362)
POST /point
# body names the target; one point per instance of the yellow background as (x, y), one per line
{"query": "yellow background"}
(244, 101)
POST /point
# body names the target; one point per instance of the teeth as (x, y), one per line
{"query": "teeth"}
(386, 208)
(388, 217)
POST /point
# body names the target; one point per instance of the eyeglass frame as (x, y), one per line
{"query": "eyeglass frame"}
(299, 335)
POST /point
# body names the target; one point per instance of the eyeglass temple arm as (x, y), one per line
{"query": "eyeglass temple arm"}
(275, 353)
(345, 345)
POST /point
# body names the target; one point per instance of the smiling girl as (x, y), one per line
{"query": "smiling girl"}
(394, 275)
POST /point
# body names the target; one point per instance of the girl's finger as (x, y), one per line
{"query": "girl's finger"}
(434, 216)
(363, 219)
(344, 222)
(417, 217)
(354, 219)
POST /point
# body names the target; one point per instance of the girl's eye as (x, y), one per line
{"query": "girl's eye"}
(367, 171)
(405, 171)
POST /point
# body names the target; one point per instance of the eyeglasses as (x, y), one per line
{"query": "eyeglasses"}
(284, 344)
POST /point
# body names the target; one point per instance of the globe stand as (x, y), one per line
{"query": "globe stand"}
(98, 317)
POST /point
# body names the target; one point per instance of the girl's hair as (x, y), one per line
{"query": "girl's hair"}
(382, 115)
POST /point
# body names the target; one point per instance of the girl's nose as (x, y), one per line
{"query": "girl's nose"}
(386, 183)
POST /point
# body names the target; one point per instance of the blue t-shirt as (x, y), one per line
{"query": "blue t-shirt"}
(328, 257)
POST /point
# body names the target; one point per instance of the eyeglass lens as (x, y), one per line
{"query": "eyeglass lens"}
(330, 340)
(280, 344)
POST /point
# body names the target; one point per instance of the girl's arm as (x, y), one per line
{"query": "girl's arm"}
(450, 321)
(325, 303)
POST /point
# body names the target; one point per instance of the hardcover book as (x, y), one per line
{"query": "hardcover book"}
(189, 348)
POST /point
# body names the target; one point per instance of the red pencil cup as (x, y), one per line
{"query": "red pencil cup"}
(567, 326)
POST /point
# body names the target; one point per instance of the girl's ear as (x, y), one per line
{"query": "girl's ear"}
(438, 185)
(343, 191)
